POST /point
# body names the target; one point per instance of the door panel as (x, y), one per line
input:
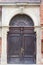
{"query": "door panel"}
(29, 44)
(14, 44)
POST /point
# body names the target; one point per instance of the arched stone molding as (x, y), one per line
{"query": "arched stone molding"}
(10, 12)
(7, 14)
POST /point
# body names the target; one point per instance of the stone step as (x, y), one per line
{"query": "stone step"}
(23, 61)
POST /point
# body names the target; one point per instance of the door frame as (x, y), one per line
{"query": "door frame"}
(4, 39)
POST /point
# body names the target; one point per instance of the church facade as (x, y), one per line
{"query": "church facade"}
(21, 32)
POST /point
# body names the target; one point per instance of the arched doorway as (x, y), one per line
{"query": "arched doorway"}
(21, 40)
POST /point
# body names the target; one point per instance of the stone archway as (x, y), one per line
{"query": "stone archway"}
(7, 16)
(21, 39)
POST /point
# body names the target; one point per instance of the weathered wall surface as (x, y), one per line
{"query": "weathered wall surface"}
(41, 22)
(0, 30)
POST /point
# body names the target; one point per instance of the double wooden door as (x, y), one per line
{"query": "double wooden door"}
(21, 42)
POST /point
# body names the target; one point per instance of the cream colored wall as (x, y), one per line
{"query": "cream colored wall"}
(7, 13)
(10, 11)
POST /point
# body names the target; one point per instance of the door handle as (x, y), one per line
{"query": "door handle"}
(22, 50)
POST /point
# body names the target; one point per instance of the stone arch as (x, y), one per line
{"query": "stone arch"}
(22, 16)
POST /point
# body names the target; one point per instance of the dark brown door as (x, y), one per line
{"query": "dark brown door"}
(21, 42)
(21, 38)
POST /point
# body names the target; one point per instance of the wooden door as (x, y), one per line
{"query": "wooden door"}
(21, 41)
(21, 38)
